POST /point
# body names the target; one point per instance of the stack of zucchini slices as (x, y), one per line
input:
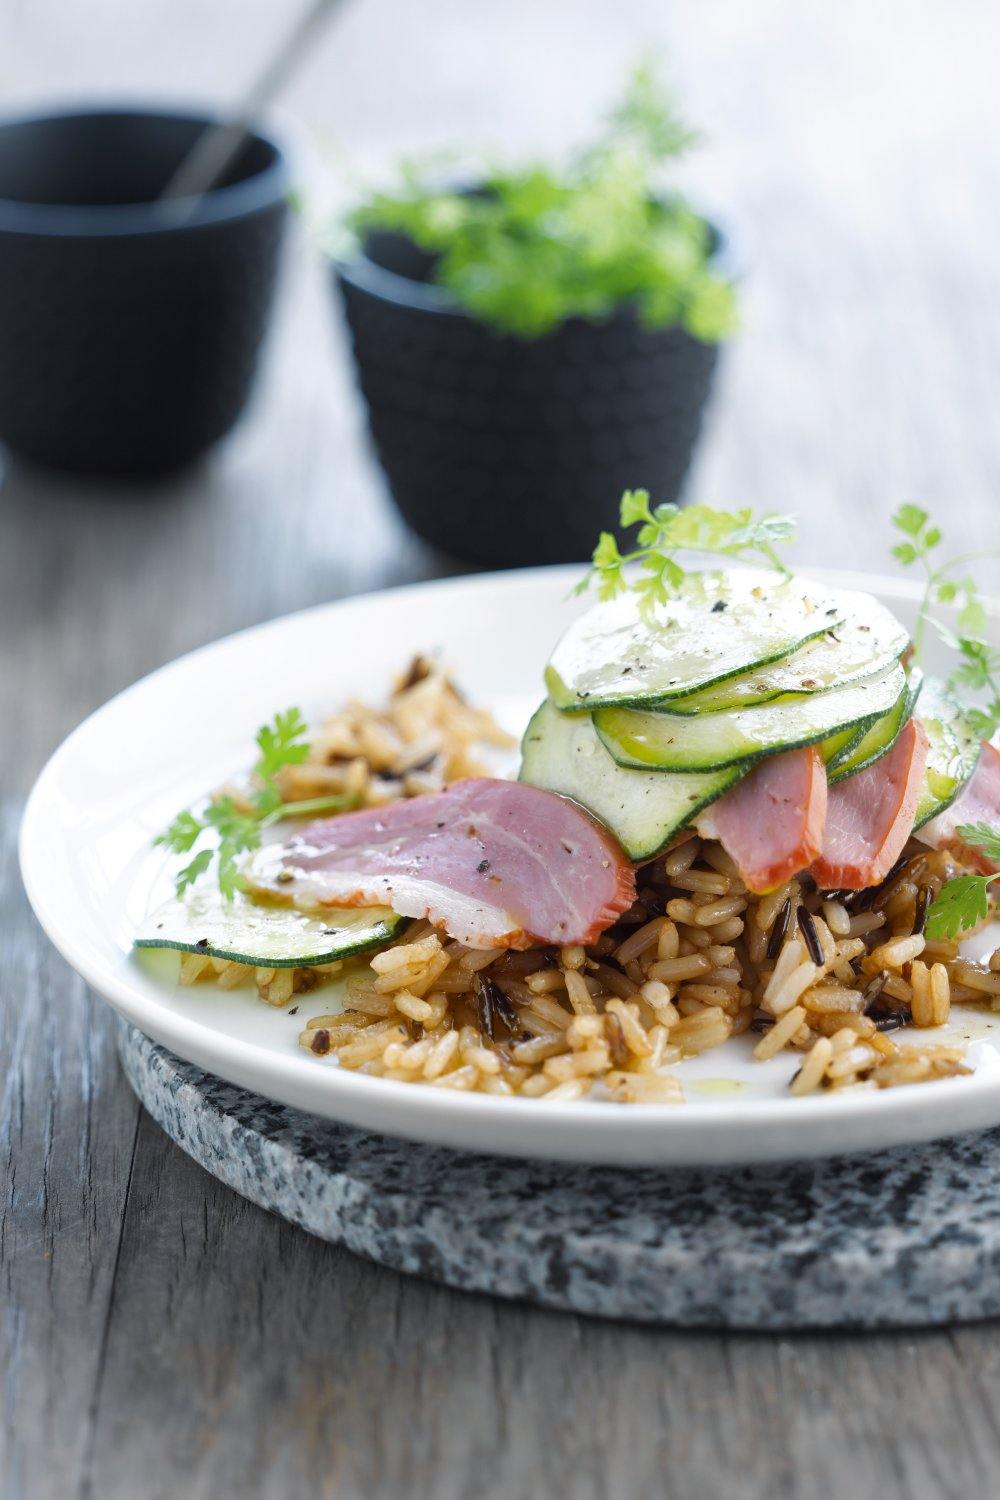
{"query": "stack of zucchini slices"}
(652, 715)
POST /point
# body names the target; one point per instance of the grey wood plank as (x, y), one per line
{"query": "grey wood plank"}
(68, 1136)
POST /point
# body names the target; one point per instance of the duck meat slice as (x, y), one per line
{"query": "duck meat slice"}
(869, 817)
(977, 802)
(494, 864)
(771, 822)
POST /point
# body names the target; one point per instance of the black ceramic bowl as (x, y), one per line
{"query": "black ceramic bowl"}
(129, 329)
(505, 451)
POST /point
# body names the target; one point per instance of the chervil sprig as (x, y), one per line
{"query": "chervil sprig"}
(981, 836)
(980, 665)
(237, 827)
(282, 743)
(965, 902)
(666, 530)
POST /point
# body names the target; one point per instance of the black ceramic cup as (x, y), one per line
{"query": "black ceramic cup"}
(504, 451)
(129, 329)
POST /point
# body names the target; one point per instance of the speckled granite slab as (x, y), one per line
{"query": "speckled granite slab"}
(904, 1238)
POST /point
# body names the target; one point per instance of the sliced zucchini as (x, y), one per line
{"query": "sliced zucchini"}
(869, 639)
(873, 743)
(721, 625)
(643, 809)
(274, 937)
(668, 742)
(841, 743)
(953, 751)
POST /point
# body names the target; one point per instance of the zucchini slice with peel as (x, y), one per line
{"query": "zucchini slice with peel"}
(953, 750)
(643, 809)
(868, 641)
(721, 625)
(869, 746)
(658, 741)
(268, 936)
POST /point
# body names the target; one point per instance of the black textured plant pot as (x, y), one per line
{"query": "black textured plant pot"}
(504, 451)
(129, 330)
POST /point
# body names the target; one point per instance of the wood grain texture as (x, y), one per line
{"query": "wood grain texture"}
(157, 1334)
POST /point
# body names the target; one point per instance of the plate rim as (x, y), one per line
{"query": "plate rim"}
(600, 1130)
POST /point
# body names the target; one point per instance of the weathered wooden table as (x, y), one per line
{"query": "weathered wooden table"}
(158, 1335)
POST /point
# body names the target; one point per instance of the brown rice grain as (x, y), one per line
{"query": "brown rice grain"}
(682, 858)
(837, 918)
(547, 1010)
(441, 1055)
(713, 913)
(976, 977)
(573, 1088)
(668, 943)
(810, 1075)
(940, 994)
(728, 931)
(780, 1034)
(703, 883)
(461, 1079)
(865, 922)
(832, 998)
(769, 906)
(850, 1060)
(900, 951)
(675, 970)
(835, 1022)
(636, 1037)
(577, 992)
(646, 937)
(921, 1007)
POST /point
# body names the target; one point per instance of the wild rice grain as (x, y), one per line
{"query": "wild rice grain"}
(779, 931)
(807, 927)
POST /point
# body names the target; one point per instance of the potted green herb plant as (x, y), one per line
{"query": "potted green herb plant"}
(530, 344)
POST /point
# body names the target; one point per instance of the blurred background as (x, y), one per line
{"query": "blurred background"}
(853, 148)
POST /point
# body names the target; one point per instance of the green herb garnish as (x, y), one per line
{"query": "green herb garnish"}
(979, 669)
(981, 836)
(965, 902)
(666, 530)
(237, 829)
(536, 245)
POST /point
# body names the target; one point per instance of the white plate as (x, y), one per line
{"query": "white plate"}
(120, 777)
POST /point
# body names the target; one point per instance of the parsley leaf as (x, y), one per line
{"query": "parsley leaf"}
(190, 872)
(981, 836)
(965, 902)
(282, 743)
(237, 829)
(962, 903)
(979, 668)
(182, 835)
(665, 530)
(539, 244)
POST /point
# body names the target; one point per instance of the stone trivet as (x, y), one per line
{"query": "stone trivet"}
(902, 1238)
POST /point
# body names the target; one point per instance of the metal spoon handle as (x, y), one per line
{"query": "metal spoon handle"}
(218, 146)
